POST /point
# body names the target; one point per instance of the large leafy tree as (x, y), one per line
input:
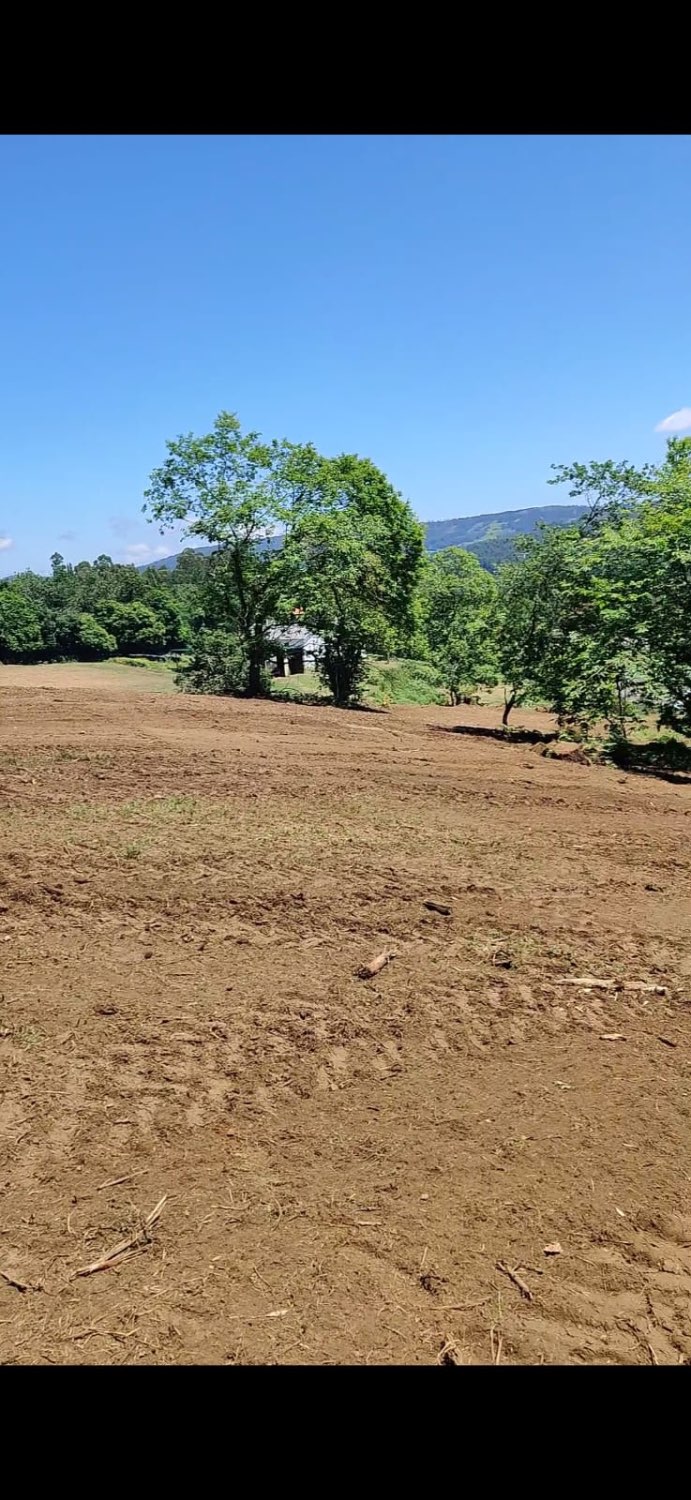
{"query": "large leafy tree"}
(656, 588)
(530, 594)
(457, 599)
(242, 495)
(352, 562)
(596, 619)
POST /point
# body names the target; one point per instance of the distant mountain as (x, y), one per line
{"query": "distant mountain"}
(470, 530)
(490, 537)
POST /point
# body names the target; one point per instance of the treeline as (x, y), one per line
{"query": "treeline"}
(95, 610)
(593, 620)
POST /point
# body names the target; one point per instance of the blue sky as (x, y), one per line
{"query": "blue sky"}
(464, 310)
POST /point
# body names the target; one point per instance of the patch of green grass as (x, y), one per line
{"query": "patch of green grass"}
(27, 1036)
(303, 687)
(143, 661)
(385, 683)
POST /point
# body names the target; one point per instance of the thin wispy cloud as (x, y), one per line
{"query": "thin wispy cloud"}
(67, 536)
(5, 543)
(679, 421)
(123, 526)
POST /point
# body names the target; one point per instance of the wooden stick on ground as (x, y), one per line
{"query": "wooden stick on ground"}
(375, 966)
(19, 1286)
(126, 1248)
(115, 1181)
(516, 1279)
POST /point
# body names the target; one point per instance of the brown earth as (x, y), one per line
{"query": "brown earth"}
(187, 891)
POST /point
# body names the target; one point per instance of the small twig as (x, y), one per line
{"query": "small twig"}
(516, 1279)
(449, 1354)
(126, 1248)
(496, 1349)
(115, 1181)
(20, 1286)
(461, 1306)
(631, 985)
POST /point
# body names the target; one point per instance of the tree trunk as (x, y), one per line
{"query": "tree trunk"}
(508, 705)
(255, 685)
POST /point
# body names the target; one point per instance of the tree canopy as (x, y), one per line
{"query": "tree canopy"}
(294, 531)
(456, 614)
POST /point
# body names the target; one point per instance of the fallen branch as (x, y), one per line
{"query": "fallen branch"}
(588, 984)
(368, 971)
(516, 1279)
(126, 1248)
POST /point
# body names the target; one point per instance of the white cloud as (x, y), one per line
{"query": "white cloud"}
(679, 421)
(142, 552)
(5, 543)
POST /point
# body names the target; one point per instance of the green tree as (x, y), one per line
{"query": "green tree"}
(79, 636)
(529, 614)
(352, 564)
(610, 490)
(242, 495)
(572, 610)
(135, 627)
(457, 602)
(20, 627)
(657, 585)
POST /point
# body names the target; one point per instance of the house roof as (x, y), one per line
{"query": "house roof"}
(293, 636)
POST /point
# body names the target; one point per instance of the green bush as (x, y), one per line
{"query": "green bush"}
(663, 754)
(78, 636)
(218, 663)
(401, 681)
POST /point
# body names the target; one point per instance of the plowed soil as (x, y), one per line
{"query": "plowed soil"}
(351, 1167)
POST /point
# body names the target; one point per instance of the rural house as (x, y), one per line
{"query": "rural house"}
(294, 650)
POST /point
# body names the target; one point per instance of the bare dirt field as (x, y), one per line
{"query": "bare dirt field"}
(354, 1170)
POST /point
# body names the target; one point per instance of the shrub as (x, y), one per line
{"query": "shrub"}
(218, 663)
